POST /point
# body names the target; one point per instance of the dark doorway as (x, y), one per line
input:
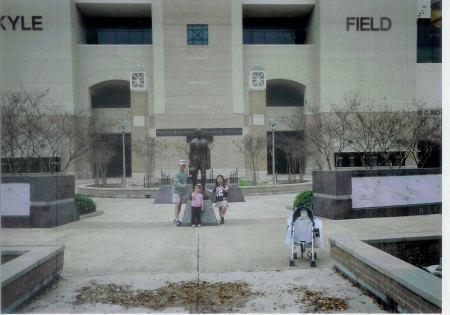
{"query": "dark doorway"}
(430, 154)
(281, 165)
(115, 166)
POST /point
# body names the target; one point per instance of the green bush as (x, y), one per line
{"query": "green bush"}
(84, 204)
(242, 184)
(303, 199)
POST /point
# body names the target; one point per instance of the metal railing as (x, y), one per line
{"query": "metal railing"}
(165, 178)
(234, 177)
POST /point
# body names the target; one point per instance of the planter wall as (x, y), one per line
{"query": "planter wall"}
(38, 201)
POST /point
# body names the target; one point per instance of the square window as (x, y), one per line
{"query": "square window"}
(257, 80)
(197, 34)
(138, 81)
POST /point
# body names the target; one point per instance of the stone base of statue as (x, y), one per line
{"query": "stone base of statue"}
(234, 194)
(164, 195)
(208, 216)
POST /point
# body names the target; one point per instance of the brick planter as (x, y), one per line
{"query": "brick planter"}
(398, 284)
(24, 277)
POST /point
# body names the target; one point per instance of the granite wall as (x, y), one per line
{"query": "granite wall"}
(38, 201)
(334, 194)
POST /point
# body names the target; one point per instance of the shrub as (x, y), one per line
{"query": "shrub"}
(303, 199)
(84, 204)
(243, 183)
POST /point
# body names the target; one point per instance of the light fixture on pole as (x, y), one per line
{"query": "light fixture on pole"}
(123, 127)
(273, 123)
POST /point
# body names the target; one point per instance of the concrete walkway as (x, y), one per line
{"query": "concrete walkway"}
(134, 243)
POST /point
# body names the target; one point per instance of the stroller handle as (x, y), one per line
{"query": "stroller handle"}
(297, 213)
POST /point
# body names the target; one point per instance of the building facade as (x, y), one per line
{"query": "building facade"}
(168, 67)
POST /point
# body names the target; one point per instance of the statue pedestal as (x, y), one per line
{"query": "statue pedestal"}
(234, 194)
(208, 216)
(164, 195)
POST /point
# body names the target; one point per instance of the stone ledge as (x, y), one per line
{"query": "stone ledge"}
(418, 281)
(90, 191)
(25, 276)
(31, 257)
(132, 192)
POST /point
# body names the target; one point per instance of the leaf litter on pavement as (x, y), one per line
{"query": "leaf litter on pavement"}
(199, 297)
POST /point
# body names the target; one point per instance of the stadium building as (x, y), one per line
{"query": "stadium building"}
(168, 67)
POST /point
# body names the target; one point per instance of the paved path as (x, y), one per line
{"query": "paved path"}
(134, 243)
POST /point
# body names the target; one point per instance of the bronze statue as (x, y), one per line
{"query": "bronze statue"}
(198, 159)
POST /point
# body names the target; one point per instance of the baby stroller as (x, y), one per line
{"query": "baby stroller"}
(303, 233)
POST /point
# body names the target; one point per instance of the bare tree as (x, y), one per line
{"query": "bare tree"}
(254, 148)
(422, 134)
(318, 134)
(337, 127)
(21, 116)
(81, 134)
(32, 129)
(99, 156)
(296, 151)
(149, 151)
(376, 131)
(319, 130)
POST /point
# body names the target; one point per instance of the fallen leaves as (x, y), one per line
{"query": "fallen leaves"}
(197, 297)
(316, 302)
(375, 299)
(320, 303)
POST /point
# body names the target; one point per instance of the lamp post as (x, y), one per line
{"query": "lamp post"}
(273, 123)
(123, 126)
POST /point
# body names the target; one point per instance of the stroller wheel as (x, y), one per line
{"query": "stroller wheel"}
(313, 263)
(310, 255)
(292, 263)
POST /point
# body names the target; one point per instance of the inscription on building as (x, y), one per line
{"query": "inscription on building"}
(430, 112)
(205, 131)
(20, 22)
(365, 23)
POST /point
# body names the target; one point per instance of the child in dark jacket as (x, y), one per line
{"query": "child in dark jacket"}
(221, 190)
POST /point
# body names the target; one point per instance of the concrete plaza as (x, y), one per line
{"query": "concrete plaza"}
(135, 243)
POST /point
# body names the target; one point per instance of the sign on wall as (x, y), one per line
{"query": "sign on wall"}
(366, 23)
(15, 199)
(205, 131)
(20, 22)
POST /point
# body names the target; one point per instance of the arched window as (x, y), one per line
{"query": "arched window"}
(110, 94)
(281, 92)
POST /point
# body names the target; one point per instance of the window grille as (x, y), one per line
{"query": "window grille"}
(138, 80)
(257, 78)
(197, 34)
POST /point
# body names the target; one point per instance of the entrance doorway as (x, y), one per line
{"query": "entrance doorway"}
(115, 166)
